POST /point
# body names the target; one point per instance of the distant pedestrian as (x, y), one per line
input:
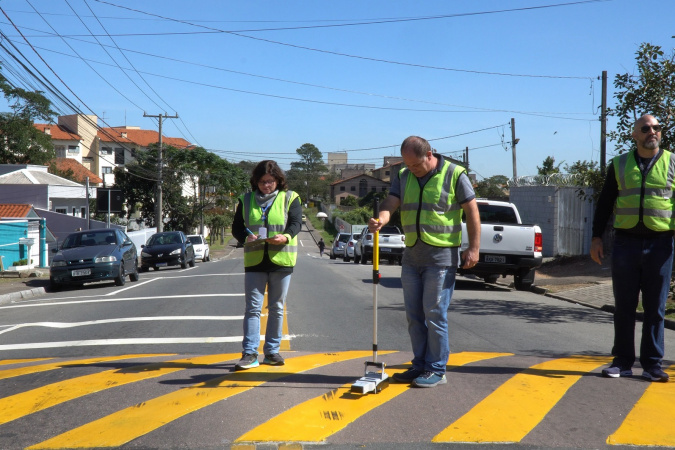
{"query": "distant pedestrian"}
(638, 190)
(322, 246)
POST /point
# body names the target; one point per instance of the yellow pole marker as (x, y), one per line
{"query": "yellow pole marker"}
(318, 418)
(517, 406)
(19, 371)
(130, 423)
(19, 405)
(6, 362)
(652, 419)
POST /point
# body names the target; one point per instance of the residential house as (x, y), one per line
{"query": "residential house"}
(21, 236)
(356, 186)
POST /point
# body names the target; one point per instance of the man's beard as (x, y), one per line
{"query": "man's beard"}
(652, 144)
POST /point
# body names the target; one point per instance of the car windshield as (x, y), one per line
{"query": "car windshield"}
(161, 239)
(389, 230)
(343, 238)
(90, 239)
(195, 239)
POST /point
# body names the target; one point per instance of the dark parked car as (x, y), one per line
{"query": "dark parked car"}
(106, 254)
(169, 248)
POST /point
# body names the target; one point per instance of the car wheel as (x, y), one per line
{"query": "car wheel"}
(121, 278)
(192, 261)
(523, 281)
(183, 264)
(144, 268)
(357, 258)
(133, 276)
(492, 278)
(207, 258)
(364, 259)
(332, 256)
(54, 286)
(347, 259)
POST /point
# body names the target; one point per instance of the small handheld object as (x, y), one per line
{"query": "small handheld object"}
(373, 381)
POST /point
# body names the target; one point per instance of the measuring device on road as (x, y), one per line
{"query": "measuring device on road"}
(375, 378)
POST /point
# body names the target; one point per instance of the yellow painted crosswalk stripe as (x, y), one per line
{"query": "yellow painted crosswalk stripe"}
(28, 402)
(130, 423)
(652, 419)
(321, 417)
(19, 371)
(6, 362)
(517, 406)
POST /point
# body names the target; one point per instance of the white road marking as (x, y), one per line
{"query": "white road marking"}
(130, 341)
(108, 300)
(117, 320)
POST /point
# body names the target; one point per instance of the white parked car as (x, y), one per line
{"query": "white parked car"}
(201, 247)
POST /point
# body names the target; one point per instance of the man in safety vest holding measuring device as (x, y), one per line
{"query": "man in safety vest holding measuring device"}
(432, 192)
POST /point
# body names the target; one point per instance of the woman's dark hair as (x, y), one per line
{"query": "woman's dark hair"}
(268, 167)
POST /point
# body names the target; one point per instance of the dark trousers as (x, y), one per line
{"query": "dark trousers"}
(640, 264)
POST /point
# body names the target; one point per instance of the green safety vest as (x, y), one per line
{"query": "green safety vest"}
(277, 216)
(432, 214)
(651, 196)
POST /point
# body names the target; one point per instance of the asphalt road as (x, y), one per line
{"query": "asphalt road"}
(150, 365)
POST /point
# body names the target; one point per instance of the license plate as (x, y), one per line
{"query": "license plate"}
(385, 250)
(495, 259)
(81, 272)
(160, 265)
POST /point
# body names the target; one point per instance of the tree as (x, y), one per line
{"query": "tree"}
(305, 175)
(20, 141)
(587, 174)
(650, 91)
(492, 188)
(548, 167)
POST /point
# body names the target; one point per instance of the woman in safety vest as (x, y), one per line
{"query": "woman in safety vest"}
(267, 222)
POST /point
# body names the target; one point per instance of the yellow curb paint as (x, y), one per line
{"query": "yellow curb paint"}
(318, 418)
(517, 406)
(652, 419)
(11, 373)
(130, 423)
(19, 405)
(6, 362)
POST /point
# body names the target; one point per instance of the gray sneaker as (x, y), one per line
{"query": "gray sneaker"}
(247, 361)
(617, 371)
(429, 379)
(655, 373)
(274, 359)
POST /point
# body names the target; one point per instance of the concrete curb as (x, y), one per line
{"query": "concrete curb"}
(20, 295)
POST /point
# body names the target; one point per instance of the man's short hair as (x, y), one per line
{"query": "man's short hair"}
(419, 146)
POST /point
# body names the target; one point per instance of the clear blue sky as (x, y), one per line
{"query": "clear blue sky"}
(256, 80)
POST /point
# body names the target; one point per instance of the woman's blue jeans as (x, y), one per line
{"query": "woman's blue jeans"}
(640, 264)
(277, 286)
(427, 292)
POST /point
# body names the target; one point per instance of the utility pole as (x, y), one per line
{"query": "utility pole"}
(466, 158)
(158, 200)
(603, 125)
(514, 141)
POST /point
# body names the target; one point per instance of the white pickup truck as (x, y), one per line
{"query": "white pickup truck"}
(391, 245)
(507, 246)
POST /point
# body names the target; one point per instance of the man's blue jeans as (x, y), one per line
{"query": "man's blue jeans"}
(427, 292)
(640, 264)
(254, 285)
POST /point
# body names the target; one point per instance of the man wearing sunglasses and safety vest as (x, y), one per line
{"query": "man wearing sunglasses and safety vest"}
(639, 191)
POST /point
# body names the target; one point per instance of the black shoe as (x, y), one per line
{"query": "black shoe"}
(408, 376)
(274, 359)
(247, 361)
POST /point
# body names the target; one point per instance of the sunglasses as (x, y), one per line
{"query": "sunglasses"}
(646, 128)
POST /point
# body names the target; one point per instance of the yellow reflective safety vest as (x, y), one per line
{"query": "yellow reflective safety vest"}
(432, 214)
(276, 218)
(650, 197)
